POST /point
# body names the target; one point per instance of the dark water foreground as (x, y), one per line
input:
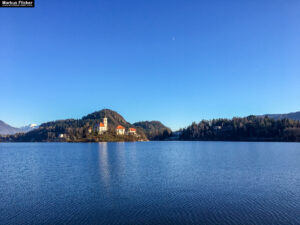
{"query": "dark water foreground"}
(150, 183)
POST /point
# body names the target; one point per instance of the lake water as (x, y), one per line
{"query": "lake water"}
(150, 183)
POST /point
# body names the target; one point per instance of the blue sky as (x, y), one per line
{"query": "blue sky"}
(174, 61)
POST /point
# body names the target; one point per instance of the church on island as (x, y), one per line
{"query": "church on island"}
(102, 127)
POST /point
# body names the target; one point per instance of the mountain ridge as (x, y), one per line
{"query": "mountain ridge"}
(6, 129)
(291, 115)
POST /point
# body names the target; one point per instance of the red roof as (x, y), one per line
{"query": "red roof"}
(132, 129)
(120, 127)
(101, 124)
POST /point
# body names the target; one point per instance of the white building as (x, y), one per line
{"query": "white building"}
(120, 130)
(100, 128)
(132, 131)
(217, 127)
(90, 130)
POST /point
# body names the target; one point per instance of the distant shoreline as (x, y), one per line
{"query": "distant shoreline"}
(242, 141)
(109, 126)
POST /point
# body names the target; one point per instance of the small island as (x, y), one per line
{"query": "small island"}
(101, 126)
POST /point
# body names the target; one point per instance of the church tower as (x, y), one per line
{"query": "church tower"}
(105, 123)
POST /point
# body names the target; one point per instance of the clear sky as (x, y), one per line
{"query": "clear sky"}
(175, 61)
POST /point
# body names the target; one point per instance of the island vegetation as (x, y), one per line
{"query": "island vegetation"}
(83, 130)
(154, 130)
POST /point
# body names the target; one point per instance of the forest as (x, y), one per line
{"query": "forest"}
(251, 128)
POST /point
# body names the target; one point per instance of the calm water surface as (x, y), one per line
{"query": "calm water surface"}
(150, 183)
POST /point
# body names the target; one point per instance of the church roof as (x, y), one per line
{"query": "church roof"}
(101, 124)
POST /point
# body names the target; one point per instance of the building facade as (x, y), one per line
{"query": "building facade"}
(132, 131)
(101, 127)
(120, 130)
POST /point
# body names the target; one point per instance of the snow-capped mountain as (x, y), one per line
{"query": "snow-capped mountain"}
(28, 128)
(6, 129)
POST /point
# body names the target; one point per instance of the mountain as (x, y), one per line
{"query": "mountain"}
(7, 129)
(154, 130)
(292, 116)
(28, 128)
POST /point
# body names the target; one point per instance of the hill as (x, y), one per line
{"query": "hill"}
(6, 129)
(154, 130)
(251, 128)
(292, 116)
(113, 118)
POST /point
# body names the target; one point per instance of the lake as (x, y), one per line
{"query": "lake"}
(150, 183)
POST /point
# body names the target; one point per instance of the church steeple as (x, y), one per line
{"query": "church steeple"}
(105, 123)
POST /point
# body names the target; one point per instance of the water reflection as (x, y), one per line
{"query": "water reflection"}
(120, 158)
(105, 172)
